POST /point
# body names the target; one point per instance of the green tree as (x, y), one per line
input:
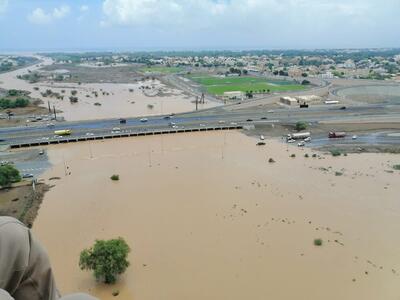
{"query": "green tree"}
(301, 125)
(107, 259)
(21, 102)
(8, 175)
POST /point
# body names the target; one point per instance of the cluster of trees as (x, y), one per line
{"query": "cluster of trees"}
(31, 77)
(8, 175)
(8, 103)
(281, 73)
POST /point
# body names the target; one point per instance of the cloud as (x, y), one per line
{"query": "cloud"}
(39, 16)
(196, 12)
(84, 8)
(3, 6)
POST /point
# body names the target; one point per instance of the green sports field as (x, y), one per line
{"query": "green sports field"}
(161, 70)
(219, 85)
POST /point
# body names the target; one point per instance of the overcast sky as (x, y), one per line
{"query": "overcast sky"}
(197, 24)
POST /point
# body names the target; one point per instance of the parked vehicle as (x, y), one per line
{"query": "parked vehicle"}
(122, 121)
(27, 175)
(354, 137)
(262, 137)
(260, 144)
(143, 120)
(336, 134)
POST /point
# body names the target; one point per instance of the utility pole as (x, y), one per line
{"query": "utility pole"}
(55, 114)
(48, 104)
(197, 102)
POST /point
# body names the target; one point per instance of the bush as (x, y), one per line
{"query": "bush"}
(301, 125)
(74, 92)
(396, 167)
(314, 155)
(19, 102)
(97, 103)
(115, 177)
(8, 174)
(318, 242)
(293, 155)
(338, 173)
(271, 160)
(306, 155)
(107, 259)
(335, 152)
(73, 99)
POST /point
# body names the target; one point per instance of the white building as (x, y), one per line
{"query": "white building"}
(289, 100)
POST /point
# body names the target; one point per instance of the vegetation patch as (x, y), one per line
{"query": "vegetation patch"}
(396, 167)
(107, 259)
(336, 152)
(8, 175)
(301, 125)
(318, 242)
(115, 177)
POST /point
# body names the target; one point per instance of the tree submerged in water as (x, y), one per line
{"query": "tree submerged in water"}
(107, 259)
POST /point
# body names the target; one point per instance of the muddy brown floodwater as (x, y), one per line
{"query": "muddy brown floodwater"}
(208, 217)
(118, 100)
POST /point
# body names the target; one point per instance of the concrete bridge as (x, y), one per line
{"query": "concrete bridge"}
(74, 139)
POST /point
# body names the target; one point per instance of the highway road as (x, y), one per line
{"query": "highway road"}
(210, 117)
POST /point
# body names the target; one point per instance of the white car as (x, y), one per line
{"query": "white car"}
(301, 144)
(233, 123)
(174, 126)
(291, 141)
(89, 133)
(221, 122)
(262, 137)
(202, 125)
(270, 111)
(354, 137)
(307, 139)
(143, 120)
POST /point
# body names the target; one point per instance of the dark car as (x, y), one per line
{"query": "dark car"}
(343, 108)
(249, 120)
(122, 121)
(263, 118)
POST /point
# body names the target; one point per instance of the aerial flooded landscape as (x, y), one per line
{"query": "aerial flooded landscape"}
(138, 163)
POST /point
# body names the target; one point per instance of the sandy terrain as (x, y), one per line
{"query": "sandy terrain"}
(207, 217)
(119, 102)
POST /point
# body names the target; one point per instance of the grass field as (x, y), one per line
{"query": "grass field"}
(219, 85)
(161, 70)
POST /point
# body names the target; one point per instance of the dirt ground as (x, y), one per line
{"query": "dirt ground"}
(120, 74)
(22, 202)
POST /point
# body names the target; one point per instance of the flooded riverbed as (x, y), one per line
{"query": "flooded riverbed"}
(208, 217)
(113, 100)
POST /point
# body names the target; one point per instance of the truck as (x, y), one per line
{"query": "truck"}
(336, 134)
(298, 136)
(62, 132)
